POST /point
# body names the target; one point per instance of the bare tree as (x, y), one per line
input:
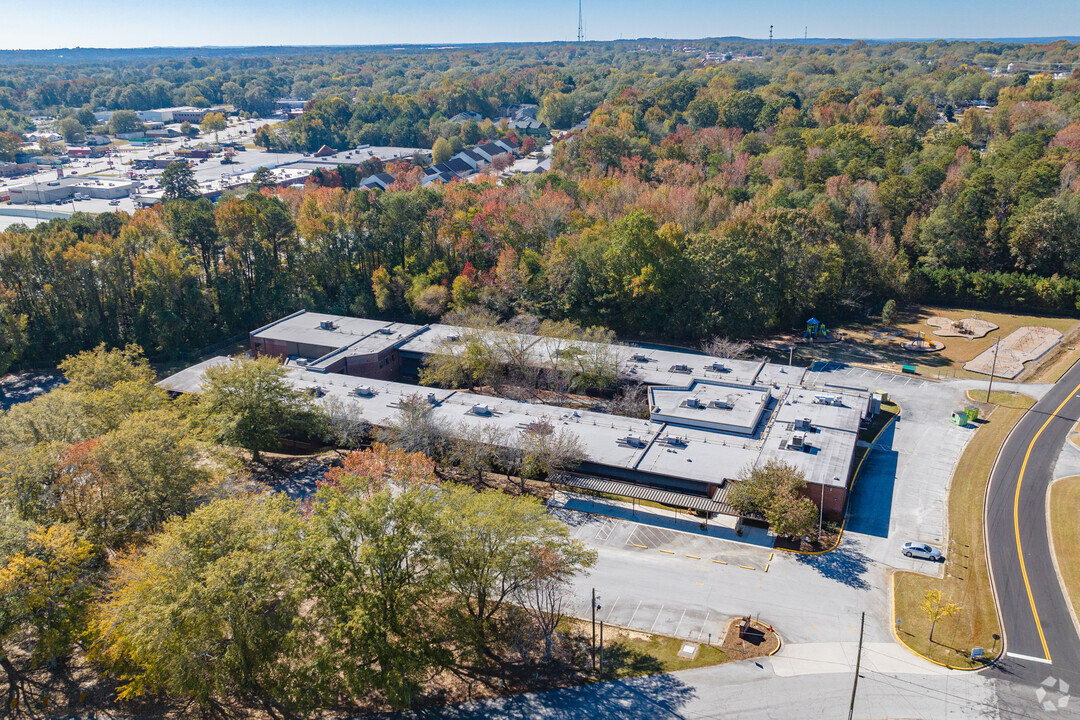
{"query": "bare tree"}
(415, 428)
(343, 423)
(631, 400)
(549, 570)
(545, 450)
(477, 448)
(723, 347)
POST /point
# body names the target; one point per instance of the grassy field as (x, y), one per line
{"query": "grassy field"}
(865, 342)
(629, 653)
(1065, 531)
(967, 580)
(1000, 398)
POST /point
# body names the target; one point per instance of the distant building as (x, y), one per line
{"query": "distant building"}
(85, 151)
(378, 180)
(463, 117)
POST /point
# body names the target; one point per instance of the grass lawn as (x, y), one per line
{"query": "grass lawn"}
(628, 653)
(862, 346)
(1001, 398)
(1065, 532)
(967, 580)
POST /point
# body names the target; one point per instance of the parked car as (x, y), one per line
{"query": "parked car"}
(922, 550)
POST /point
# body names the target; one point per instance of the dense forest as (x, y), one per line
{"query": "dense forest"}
(701, 200)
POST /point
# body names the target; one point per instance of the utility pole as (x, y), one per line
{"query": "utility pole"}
(993, 367)
(858, 663)
(770, 37)
(821, 512)
(804, 33)
(580, 24)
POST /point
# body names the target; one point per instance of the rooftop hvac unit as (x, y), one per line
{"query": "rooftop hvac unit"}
(802, 423)
(797, 442)
(327, 325)
(722, 404)
(634, 441)
(692, 402)
(638, 357)
(479, 409)
(675, 440)
(828, 400)
(317, 391)
(386, 331)
(453, 338)
(431, 398)
(680, 368)
(302, 362)
(364, 391)
(717, 367)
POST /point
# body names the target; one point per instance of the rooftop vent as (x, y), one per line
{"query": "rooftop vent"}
(480, 409)
(364, 391)
(431, 398)
(327, 325)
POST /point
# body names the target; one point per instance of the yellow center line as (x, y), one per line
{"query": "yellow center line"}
(1016, 519)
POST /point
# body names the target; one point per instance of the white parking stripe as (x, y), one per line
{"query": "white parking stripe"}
(657, 617)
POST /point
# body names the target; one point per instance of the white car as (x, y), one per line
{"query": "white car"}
(921, 550)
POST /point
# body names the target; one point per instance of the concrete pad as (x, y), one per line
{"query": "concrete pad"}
(1018, 347)
(971, 327)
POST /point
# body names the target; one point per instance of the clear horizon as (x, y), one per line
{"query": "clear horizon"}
(127, 24)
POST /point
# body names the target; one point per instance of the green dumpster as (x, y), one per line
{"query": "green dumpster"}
(908, 369)
(959, 417)
(972, 413)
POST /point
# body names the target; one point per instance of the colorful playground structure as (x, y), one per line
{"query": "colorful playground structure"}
(922, 343)
(817, 332)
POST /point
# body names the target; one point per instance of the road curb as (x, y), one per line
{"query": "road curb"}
(1053, 552)
(855, 479)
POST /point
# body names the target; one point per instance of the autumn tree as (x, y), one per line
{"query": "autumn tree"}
(414, 427)
(46, 581)
(207, 611)
(937, 607)
(441, 151)
(213, 123)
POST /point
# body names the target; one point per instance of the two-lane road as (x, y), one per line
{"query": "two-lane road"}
(1041, 639)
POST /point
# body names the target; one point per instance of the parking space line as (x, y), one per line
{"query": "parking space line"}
(695, 557)
(630, 622)
(612, 608)
(657, 617)
(643, 547)
(676, 632)
(703, 622)
(748, 567)
(669, 552)
(720, 562)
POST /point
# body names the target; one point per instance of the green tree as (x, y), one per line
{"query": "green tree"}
(441, 150)
(740, 110)
(250, 403)
(377, 620)
(213, 123)
(188, 130)
(72, 130)
(772, 491)
(124, 121)
(102, 368)
(263, 177)
(178, 182)
(209, 610)
(888, 312)
(485, 540)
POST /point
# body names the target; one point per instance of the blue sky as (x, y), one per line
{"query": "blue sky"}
(140, 23)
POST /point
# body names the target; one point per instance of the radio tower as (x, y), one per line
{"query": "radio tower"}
(580, 25)
(770, 34)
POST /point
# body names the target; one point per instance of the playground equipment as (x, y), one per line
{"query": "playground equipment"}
(816, 331)
(922, 343)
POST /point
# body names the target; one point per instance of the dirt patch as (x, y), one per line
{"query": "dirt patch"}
(758, 640)
(1020, 346)
(970, 328)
